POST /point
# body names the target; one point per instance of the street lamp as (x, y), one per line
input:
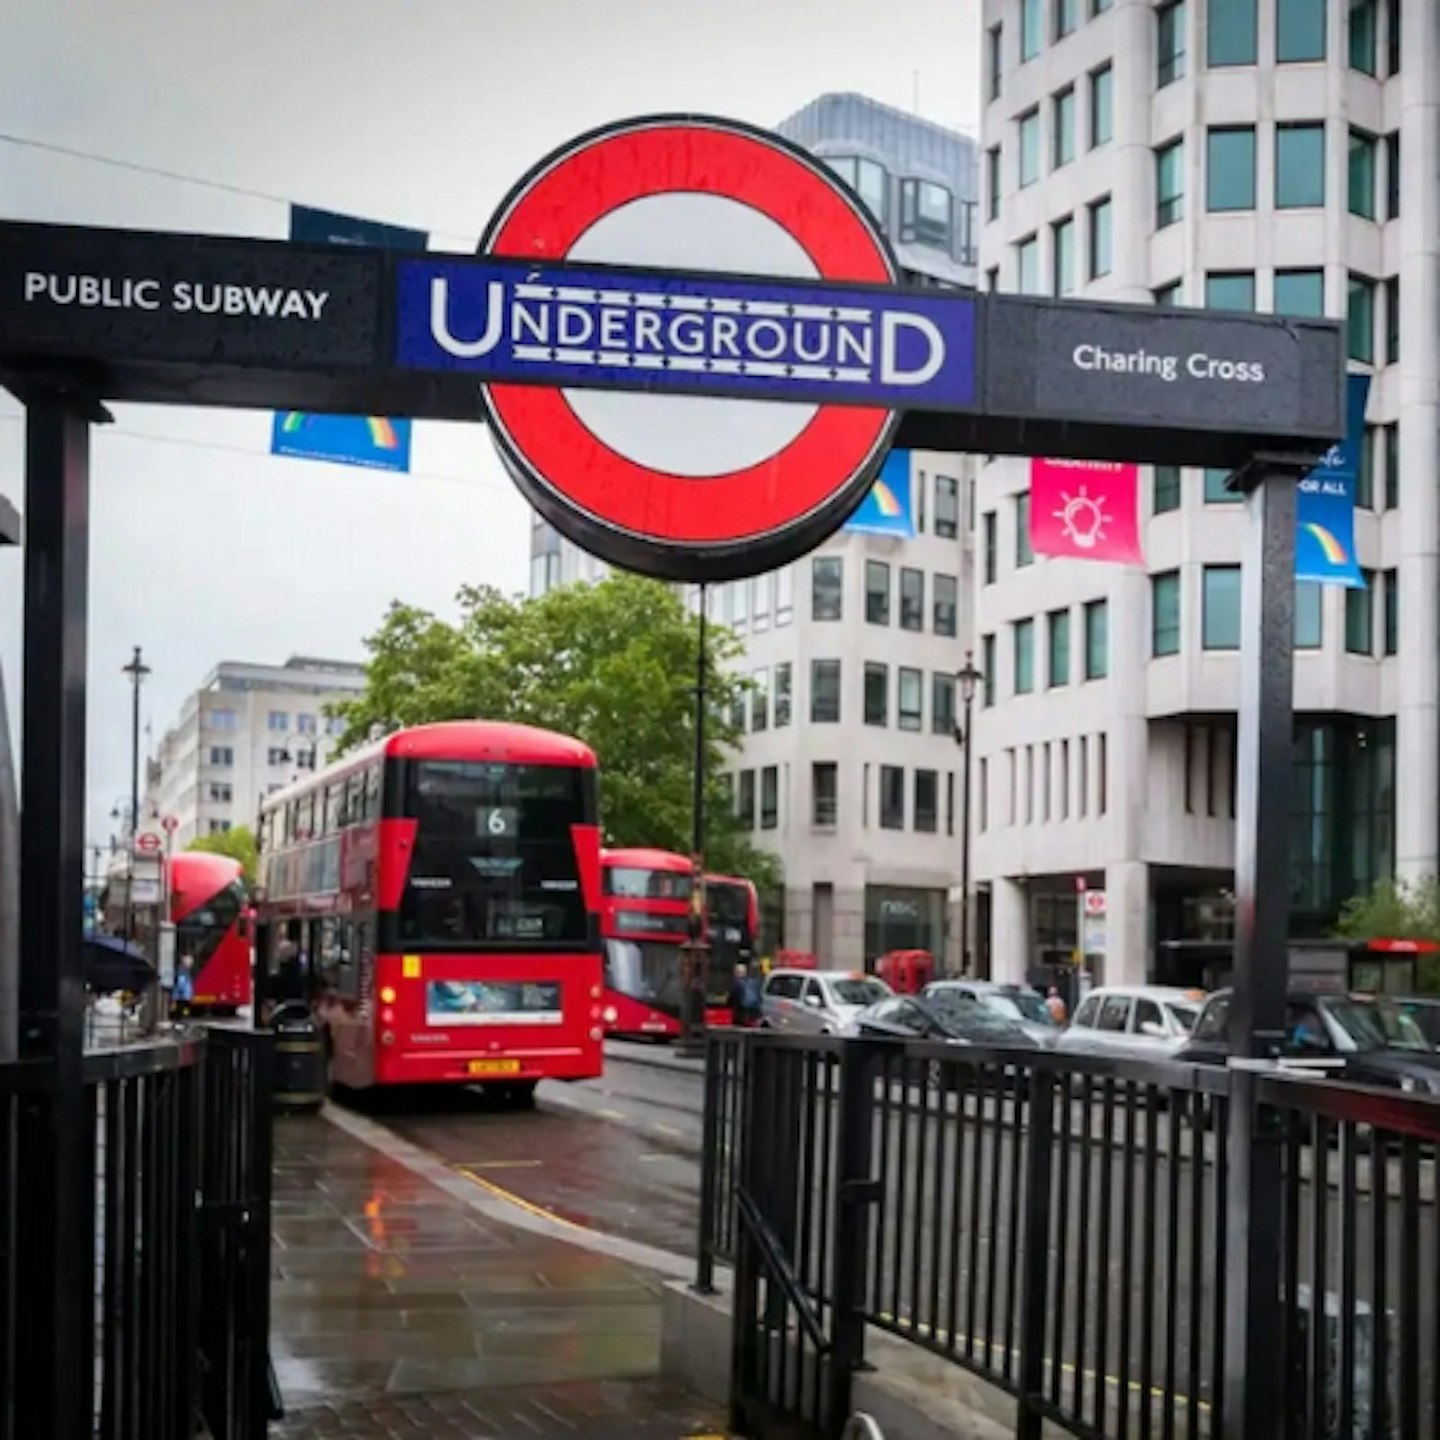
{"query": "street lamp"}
(137, 670)
(966, 680)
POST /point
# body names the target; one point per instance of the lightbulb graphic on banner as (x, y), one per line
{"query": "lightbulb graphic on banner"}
(1085, 510)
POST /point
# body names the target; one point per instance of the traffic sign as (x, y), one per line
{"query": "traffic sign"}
(170, 824)
(147, 842)
(691, 344)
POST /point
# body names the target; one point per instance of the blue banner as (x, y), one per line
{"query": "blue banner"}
(658, 331)
(1325, 505)
(372, 441)
(886, 509)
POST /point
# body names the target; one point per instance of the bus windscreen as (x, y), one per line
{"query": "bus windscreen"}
(494, 860)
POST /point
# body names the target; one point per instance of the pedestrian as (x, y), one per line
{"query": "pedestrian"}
(1055, 1003)
(745, 997)
(184, 990)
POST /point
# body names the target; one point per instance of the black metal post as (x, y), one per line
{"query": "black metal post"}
(57, 1140)
(695, 953)
(1035, 1254)
(965, 839)
(1253, 1397)
(137, 670)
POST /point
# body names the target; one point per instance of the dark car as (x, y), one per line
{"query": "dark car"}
(1425, 1012)
(1365, 1039)
(958, 1019)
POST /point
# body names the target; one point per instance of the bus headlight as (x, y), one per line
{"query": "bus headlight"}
(387, 994)
(595, 992)
(611, 1015)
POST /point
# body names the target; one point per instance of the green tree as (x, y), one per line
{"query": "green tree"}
(1398, 910)
(612, 664)
(238, 843)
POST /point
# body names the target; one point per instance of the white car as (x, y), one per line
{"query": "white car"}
(817, 1002)
(1139, 1021)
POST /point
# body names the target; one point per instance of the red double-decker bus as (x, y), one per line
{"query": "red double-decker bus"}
(438, 895)
(645, 922)
(210, 909)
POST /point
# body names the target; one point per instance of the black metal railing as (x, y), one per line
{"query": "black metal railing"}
(1057, 1225)
(178, 1302)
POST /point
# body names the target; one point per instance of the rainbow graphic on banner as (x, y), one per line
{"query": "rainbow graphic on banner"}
(886, 509)
(1330, 547)
(1325, 502)
(371, 441)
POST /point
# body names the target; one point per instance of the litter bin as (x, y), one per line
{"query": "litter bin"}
(299, 1058)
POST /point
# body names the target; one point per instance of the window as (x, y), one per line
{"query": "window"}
(1364, 150)
(1029, 148)
(995, 61)
(1097, 639)
(1392, 37)
(222, 720)
(1165, 613)
(1364, 35)
(1169, 184)
(926, 214)
(912, 599)
(1217, 487)
(1170, 44)
(1101, 253)
(769, 797)
(223, 794)
(989, 535)
(825, 692)
(1024, 642)
(1032, 26)
(1230, 290)
(1392, 176)
(942, 703)
(335, 724)
(1165, 489)
(1309, 615)
(1299, 31)
(1365, 474)
(947, 507)
(987, 666)
(1300, 292)
(1220, 608)
(824, 793)
(867, 178)
(1391, 586)
(1299, 166)
(1058, 627)
(892, 797)
(782, 694)
(1172, 294)
(222, 755)
(1232, 32)
(306, 725)
(1360, 617)
(1392, 320)
(912, 699)
(760, 700)
(945, 604)
(827, 573)
(1062, 129)
(1230, 168)
(1027, 265)
(1067, 17)
(1024, 555)
(877, 693)
(927, 801)
(992, 183)
(1102, 106)
(278, 720)
(1062, 255)
(746, 812)
(277, 755)
(1360, 319)
(763, 587)
(218, 827)
(1392, 466)
(877, 592)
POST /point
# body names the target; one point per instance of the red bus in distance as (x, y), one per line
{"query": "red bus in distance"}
(438, 894)
(646, 920)
(209, 908)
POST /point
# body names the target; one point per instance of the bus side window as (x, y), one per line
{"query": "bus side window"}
(358, 976)
(354, 800)
(372, 792)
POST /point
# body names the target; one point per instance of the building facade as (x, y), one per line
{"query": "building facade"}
(247, 731)
(849, 770)
(1240, 155)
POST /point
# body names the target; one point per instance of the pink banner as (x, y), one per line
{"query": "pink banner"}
(1085, 510)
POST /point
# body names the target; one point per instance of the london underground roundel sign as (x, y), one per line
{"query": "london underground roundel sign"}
(690, 342)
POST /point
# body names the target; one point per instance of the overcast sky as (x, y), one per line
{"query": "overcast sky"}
(417, 112)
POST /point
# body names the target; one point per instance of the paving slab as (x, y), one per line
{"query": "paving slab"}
(399, 1307)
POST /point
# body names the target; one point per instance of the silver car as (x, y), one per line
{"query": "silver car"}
(1141, 1021)
(1015, 1003)
(817, 1002)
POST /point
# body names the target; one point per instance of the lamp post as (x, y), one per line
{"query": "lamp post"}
(696, 951)
(966, 679)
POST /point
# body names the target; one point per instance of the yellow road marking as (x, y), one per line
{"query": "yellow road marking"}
(503, 1165)
(666, 1129)
(610, 1114)
(511, 1198)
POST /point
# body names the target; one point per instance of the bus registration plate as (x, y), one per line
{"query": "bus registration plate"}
(494, 1067)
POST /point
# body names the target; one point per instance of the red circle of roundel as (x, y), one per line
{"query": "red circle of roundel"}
(824, 467)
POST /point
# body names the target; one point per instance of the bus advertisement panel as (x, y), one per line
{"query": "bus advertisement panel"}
(438, 895)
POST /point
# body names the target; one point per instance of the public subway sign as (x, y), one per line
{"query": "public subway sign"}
(690, 338)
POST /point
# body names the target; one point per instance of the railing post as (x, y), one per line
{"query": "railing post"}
(709, 1169)
(1035, 1251)
(753, 1138)
(856, 1189)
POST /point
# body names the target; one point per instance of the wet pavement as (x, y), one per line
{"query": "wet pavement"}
(398, 1308)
